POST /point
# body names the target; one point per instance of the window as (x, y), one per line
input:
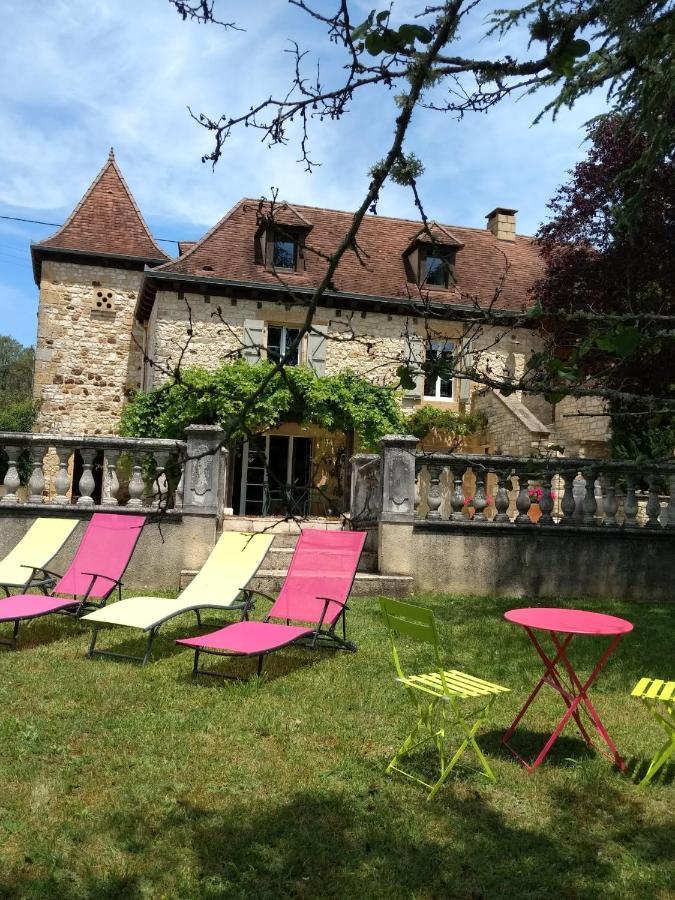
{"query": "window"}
(435, 270)
(439, 358)
(279, 339)
(284, 252)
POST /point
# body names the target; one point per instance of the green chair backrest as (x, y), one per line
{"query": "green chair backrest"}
(410, 621)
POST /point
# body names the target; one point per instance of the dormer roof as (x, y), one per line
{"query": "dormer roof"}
(106, 224)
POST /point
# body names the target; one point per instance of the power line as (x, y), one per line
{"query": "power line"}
(58, 225)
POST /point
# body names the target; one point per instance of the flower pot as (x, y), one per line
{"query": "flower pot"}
(534, 512)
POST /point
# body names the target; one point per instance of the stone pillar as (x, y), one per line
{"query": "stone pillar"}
(398, 504)
(202, 500)
(202, 480)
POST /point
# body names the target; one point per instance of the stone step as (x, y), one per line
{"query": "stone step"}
(287, 539)
(280, 558)
(277, 526)
(366, 584)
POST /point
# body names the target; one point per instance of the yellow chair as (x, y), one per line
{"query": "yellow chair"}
(438, 695)
(23, 567)
(659, 698)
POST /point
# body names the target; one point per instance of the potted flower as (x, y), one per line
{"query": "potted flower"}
(535, 494)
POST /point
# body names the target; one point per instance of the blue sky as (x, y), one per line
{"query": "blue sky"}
(77, 77)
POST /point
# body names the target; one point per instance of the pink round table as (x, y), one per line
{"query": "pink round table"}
(562, 626)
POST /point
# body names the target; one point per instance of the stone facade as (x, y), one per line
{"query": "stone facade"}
(88, 353)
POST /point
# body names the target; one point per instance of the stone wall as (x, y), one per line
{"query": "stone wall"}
(511, 427)
(164, 550)
(86, 359)
(502, 561)
(582, 430)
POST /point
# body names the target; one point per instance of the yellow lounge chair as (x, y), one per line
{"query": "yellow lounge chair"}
(220, 584)
(23, 567)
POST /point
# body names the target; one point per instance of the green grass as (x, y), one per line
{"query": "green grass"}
(117, 781)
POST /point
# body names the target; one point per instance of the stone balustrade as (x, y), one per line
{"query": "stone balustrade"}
(91, 471)
(479, 490)
(365, 488)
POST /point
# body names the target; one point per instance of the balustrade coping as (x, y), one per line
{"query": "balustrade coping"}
(538, 465)
(511, 528)
(27, 509)
(98, 442)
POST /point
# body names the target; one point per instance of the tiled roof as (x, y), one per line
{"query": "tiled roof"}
(184, 246)
(106, 220)
(484, 265)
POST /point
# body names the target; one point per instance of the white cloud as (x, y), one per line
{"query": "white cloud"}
(76, 77)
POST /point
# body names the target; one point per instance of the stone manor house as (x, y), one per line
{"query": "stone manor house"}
(114, 312)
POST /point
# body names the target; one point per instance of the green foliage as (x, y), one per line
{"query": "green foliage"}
(375, 36)
(343, 402)
(18, 416)
(404, 171)
(16, 373)
(451, 427)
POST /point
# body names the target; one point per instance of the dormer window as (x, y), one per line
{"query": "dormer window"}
(280, 239)
(430, 257)
(284, 251)
(436, 270)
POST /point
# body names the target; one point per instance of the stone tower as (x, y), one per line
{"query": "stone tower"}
(89, 350)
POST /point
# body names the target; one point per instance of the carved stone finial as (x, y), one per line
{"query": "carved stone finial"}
(111, 155)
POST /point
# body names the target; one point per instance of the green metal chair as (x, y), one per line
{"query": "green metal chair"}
(439, 696)
(659, 698)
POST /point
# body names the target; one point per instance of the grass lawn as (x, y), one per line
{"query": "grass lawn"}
(118, 781)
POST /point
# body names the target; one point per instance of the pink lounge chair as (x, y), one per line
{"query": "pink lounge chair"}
(96, 570)
(314, 593)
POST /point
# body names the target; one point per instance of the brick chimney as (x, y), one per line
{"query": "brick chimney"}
(502, 223)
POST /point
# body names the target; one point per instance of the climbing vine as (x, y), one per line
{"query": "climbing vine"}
(344, 402)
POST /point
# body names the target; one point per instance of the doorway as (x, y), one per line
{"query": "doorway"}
(276, 476)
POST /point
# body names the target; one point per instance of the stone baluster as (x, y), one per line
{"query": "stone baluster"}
(87, 483)
(457, 499)
(418, 493)
(546, 502)
(178, 500)
(36, 482)
(160, 484)
(568, 503)
(653, 503)
(111, 485)
(670, 509)
(501, 498)
(62, 480)
(590, 503)
(610, 503)
(11, 480)
(136, 484)
(523, 501)
(578, 492)
(630, 506)
(480, 501)
(434, 498)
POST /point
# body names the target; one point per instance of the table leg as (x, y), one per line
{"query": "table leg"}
(572, 700)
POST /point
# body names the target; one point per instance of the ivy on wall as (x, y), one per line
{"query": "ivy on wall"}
(345, 402)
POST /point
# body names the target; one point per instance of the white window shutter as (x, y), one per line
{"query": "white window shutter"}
(466, 362)
(254, 332)
(316, 349)
(415, 360)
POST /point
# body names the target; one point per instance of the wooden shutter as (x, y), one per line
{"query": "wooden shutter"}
(415, 350)
(316, 349)
(254, 332)
(466, 362)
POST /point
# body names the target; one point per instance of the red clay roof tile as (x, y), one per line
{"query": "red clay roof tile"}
(485, 268)
(107, 220)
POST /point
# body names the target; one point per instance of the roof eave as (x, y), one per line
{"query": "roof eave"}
(39, 251)
(152, 278)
